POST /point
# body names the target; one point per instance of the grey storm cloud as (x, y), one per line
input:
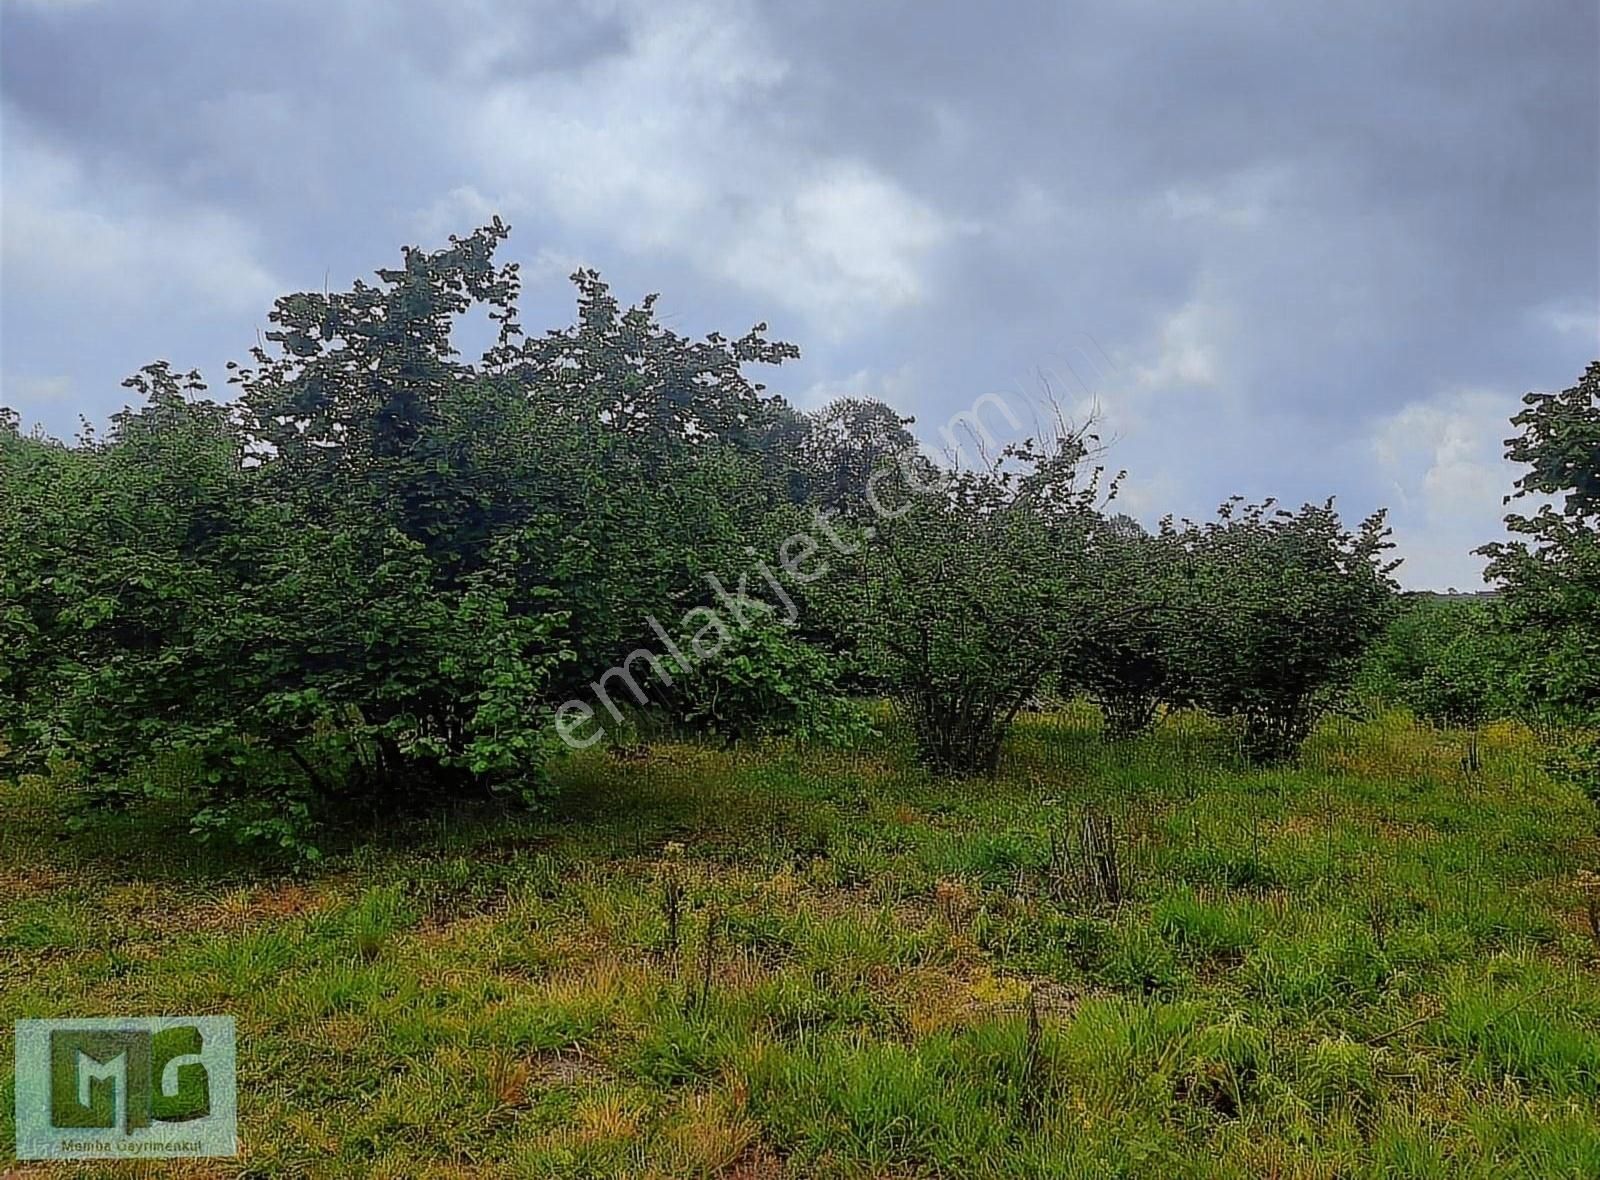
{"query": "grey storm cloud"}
(1276, 248)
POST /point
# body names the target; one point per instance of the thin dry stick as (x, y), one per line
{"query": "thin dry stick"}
(1406, 1027)
(710, 955)
(1031, 1059)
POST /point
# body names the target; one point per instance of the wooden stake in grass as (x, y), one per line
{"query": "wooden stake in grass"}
(1031, 1066)
(712, 918)
(1088, 866)
(1100, 854)
(672, 907)
(1471, 764)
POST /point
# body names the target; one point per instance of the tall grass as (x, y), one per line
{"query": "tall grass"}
(1375, 964)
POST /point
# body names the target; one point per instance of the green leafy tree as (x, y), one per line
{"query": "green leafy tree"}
(361, 586)
(761, 679)
(106, 565)
(1281, 607)
(848, 442)
(658, 460)
(42, 489)
(1129, 665)
(1451, 663)
(965, 593)
(295, 664)
(1552, 579)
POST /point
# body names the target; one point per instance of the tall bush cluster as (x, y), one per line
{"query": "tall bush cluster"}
(1452, 662)
(1551, 571)
(371, 579)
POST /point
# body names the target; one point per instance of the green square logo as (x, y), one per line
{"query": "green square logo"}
(141, 1087)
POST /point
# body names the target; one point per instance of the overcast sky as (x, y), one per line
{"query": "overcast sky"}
(1285, 249)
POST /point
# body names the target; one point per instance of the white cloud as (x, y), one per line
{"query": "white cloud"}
(1575, 321)
(1147, 498)
(655, 149)
(461, 209)
(1033, 207)
(1125, 392)
(62, 234)
(1455, 442)
(896, 388)
(848, 242)
(1443, 461)
(548, 264)
(18, 392)
(1189, 347)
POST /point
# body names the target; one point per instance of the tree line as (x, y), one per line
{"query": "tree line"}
(1531, 651)
(381, 576)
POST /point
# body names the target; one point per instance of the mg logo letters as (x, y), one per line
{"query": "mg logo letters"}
(146, 1087)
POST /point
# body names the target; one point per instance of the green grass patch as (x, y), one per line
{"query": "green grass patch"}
(782, 961)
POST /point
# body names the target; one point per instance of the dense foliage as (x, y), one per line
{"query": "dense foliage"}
(1130, 664)
(365, 583)
(1452, 662)
(967, 588)
(1280, 607)
(383, 574)
(764, 678)
(1552, 579)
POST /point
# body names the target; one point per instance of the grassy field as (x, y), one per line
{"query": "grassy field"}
(785, 962)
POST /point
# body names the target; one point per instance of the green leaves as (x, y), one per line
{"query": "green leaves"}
(1129, 661)
(362, 586)
(1560, 441)
(1552, 580)
(764, 680)
(1452, 663)
(1278, 607)
(967, 591)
